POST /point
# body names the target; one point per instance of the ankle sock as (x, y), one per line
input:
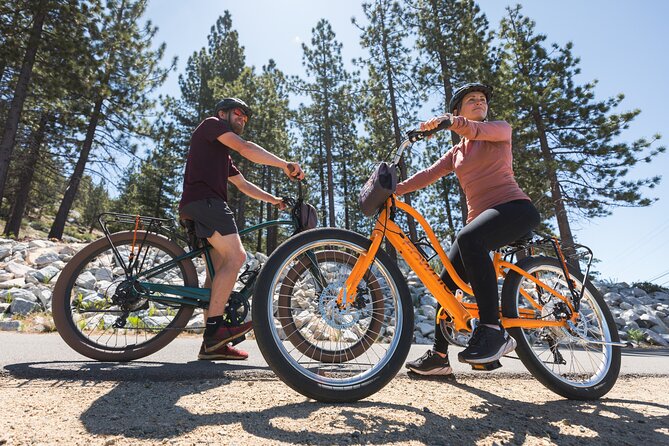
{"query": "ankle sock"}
(212, 325)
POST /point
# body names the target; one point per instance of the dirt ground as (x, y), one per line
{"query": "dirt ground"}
(242, 408)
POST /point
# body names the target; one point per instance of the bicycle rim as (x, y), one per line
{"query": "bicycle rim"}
(568, 356)
(328, 329)
(104, 323)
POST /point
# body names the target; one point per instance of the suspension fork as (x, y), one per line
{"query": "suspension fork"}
(350, 290)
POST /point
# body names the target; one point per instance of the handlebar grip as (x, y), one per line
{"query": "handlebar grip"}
(417, 135)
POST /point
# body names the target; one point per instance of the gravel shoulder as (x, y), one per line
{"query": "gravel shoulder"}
(102, 405)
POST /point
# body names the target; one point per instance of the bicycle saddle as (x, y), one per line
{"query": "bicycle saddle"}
(523, 240)
(189, 225)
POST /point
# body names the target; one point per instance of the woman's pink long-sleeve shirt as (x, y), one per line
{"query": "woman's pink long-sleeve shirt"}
(482, 162)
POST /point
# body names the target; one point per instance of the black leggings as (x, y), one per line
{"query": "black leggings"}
(470, 255)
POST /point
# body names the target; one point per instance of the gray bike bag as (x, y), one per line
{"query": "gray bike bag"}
(380, 185)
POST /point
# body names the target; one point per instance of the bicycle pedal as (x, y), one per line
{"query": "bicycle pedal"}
(488, 366)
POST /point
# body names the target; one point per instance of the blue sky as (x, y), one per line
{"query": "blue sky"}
(620, 43)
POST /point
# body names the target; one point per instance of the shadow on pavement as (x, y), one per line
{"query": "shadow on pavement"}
(144, 405)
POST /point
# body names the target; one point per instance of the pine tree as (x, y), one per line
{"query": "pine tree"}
(128, 71)
(392, 96)
(58, 77)
(454, 43)
(39, 11)
(222, 61)
(267, 95)
(329, 120)
(577, 136)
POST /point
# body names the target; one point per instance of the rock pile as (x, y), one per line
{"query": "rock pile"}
(28, 271)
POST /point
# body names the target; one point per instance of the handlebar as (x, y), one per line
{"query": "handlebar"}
(418, 135)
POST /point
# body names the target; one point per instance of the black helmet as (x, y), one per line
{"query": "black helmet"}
(230, 103)
(468, 88)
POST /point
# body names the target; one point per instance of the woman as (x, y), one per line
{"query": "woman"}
(499, 213)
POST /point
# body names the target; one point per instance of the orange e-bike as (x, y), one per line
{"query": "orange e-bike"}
(333, 314)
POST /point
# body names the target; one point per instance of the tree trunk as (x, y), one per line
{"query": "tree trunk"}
(330, 174)
(20, 93)
(241, 203)
(396, 122)
(449, 215)
(13, 225)
(272, 214)
(73, 186)
(455, 138)
(321, 175)
(261, 205)
(556, 192)
(344, 169)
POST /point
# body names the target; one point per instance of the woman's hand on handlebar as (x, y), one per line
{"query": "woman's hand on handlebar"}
(294, 171)
(433, 123)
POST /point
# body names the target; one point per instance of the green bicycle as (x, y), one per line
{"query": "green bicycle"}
(130, 293)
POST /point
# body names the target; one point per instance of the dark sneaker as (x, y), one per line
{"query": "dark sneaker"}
(225, 334)
(486, 345)
(430, 364)
(222, 353)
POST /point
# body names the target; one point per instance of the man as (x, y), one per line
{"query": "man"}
(209, 167)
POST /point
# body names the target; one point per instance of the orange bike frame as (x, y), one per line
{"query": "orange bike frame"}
(461, 313)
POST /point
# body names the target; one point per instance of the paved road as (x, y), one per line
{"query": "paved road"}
(47, 356)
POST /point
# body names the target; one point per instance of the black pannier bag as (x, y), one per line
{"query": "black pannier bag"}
(380, 185)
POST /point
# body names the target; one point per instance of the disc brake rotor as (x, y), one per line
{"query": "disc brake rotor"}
(334, 316)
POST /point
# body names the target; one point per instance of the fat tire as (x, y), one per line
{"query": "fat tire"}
(61, 300)
(533, 364)
(273, 354)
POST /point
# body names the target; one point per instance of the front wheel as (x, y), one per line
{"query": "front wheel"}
(323, 350)
(578, 363)
(101, 312)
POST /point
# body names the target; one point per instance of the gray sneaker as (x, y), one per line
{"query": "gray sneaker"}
(487, 345)
(430, 364)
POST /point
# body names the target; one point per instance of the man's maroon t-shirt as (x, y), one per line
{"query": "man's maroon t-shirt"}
(209, 165)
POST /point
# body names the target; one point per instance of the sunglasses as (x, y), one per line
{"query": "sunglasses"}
(239, 112)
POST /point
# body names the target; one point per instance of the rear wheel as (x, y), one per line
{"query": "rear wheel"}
(102, 314)
(575, 363)
(322, 350)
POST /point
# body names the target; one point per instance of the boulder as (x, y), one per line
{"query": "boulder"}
(19, 282)
(5, 250)
(40, 243)
(18, 269)
(429, 300)
(23, 306)
(10, 325)
(626, 306)
(46, 258)
(654, 338)
(638, 292)
(20, 293)
(104, 274)
(86, 281)
(425, 328)
(429, 311)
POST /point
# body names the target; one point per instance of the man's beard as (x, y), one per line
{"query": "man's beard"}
(238, 129)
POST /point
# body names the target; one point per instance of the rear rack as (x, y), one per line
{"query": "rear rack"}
(162, 226)
(581, 252)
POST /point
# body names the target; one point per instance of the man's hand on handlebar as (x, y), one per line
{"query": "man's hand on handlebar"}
(294, 171)
(280, 203)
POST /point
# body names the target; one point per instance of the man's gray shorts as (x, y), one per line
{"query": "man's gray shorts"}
(209, 215)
